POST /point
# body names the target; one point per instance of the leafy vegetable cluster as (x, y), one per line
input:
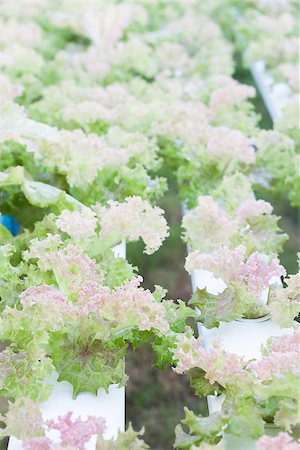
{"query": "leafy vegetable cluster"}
(96, 98)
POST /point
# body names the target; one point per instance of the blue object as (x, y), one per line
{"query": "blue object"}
(10, 223)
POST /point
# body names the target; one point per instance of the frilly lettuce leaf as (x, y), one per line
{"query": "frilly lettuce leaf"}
(116, 270)
(14, 124)
(177, 315)
(282, 395)
(162, 346)
(229, 305)
(29, 200)
(278, 159)
(233, 190)
(22, 420)
(23, 137)
(23, 376)
(279, 386)
(264, 236)
(194, 179)
(244, 120)
(201, 385)
(284, 302)
(243, 415)
(26, 331)
(87, 361)
(287, 414)
(126, 440)
(200, 429)
(284, 313)
(10, 282)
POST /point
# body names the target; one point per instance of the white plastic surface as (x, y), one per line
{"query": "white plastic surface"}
(205, 279)
(243, 337)
(120, 249)
(110, 406)
(275, 95)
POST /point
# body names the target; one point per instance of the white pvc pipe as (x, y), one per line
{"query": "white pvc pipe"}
(243, 337)
(110, 406)
(275, 95)
(120, 249)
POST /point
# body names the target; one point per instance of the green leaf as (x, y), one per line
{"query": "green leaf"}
(206, 427)
(86, 362)
(207, 304)
(162, 347)
(15, 175)
(5, 235)
(280, 386)
(268, 408)
(127, 440)
(244, 418)
(22, 376)
(137, 337)
(233, 303)
(116, 270)
(184, 440)
(23, 420)
(215, 308)
(287, 414)
(201, 429)
(44, 195)
(10, 283)
(201, 385)
(177, 314)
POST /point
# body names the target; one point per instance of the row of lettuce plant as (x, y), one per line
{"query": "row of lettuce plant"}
(90, 111)
(76, 192)
(236, 248)
(74, 311)
(276, 56)
(63, 170)
(25, 420)
(273, 58)
(256, 393)
(236, 241)
(279, 68)
(250, 26)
